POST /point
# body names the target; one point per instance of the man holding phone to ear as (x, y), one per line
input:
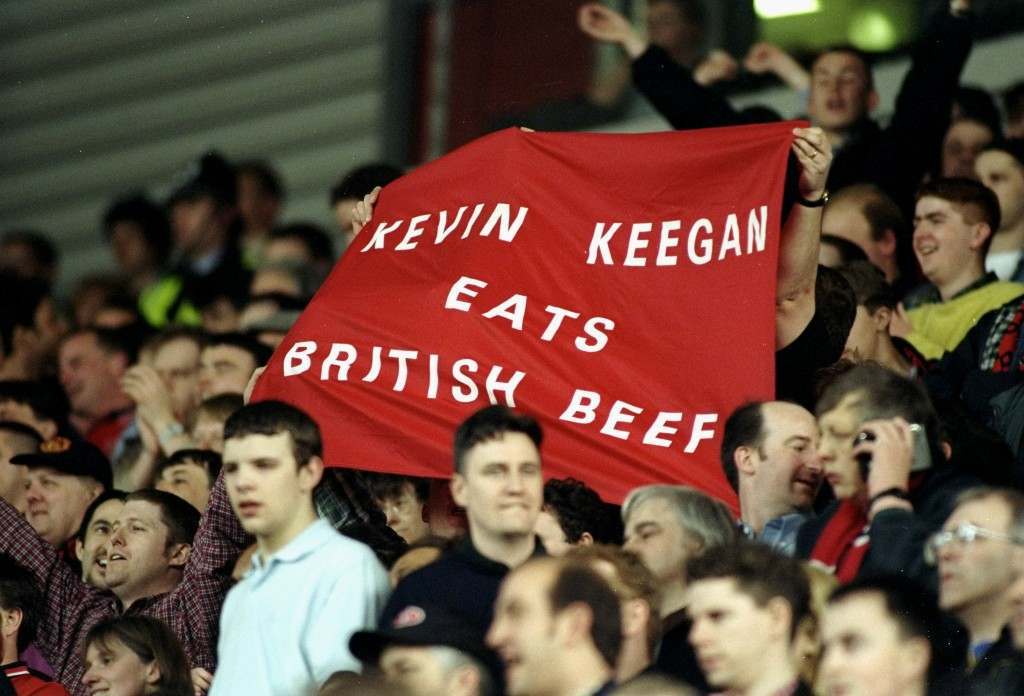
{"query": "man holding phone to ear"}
(880, 451)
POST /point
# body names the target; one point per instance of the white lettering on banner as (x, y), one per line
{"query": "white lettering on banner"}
(584, 406)
(513, 310)
(499, 220)
(469, 380)
(702, 241)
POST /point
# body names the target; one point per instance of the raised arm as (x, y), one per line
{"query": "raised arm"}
(801, 235)
(670, 87)
(69, 605)
(924, 103)
(193, 608)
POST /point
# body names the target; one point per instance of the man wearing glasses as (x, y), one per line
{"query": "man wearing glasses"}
(975, 553)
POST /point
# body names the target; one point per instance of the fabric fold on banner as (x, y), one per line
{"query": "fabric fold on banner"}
(620, 288)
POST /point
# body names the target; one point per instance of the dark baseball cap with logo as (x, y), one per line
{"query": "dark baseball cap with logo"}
(421, 626)
(68, 455)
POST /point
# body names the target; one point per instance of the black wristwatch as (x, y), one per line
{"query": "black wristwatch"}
(814, 204)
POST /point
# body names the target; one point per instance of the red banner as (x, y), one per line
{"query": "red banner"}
(621, 288)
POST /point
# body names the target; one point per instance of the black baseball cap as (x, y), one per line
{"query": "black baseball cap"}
(210, 175)
(421, 626)
(72, 456)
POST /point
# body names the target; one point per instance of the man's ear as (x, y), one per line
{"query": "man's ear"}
(636, 614)
(743, 458)
(586, 539)
(458, 489)
(79, 549)
(310, 473)
(179, 555)
(152, 673)
(782, 616)
(575, 621)
(881, 319)
(980, 232)
(12, 619)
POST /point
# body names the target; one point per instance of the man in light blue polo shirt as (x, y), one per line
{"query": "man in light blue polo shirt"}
(285, 627)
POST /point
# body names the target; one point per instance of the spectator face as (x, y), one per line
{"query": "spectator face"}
(655, 533)
(131, 250)
(257, 208)
(976, 575)
(194, 224)
(177, 363)
(92, 552)
(208, 433)
(787, 473)
(286, 251)
(845, 219)
(1003, 174)
(840, 95)
(525, 633)
(113, 669)
(139, 557)
(500, 486)
(551, 534)
(731, 633)
(188, 481)
(14, 477)
(669, 29)
(414, 669)
(944, 242)
(865, 653)
(57, 502)
(265, 484)
(224, 370)
(89, 375)
(405, 514)
(835, 447)
(963, 141)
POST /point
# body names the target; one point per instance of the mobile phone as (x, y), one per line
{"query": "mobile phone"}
(922, 454)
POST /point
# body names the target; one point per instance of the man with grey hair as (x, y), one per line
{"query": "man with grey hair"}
(666, 526)
(428, 652)
(975, 556)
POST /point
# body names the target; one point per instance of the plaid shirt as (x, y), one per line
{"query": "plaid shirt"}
(71, 608)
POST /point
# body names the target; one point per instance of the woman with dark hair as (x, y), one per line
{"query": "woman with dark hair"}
(135, 656)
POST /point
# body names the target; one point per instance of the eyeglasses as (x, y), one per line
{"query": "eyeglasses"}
(964, 533)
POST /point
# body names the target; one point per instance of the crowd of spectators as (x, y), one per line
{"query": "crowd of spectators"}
(160, 534)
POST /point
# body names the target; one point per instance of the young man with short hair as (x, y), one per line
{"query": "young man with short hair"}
(20, 606)
(499, 483)
(885, 636)
(309, 588)
(745, 602)
(557, 627)
(954, 221)
(573, 515)
(190, 475)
